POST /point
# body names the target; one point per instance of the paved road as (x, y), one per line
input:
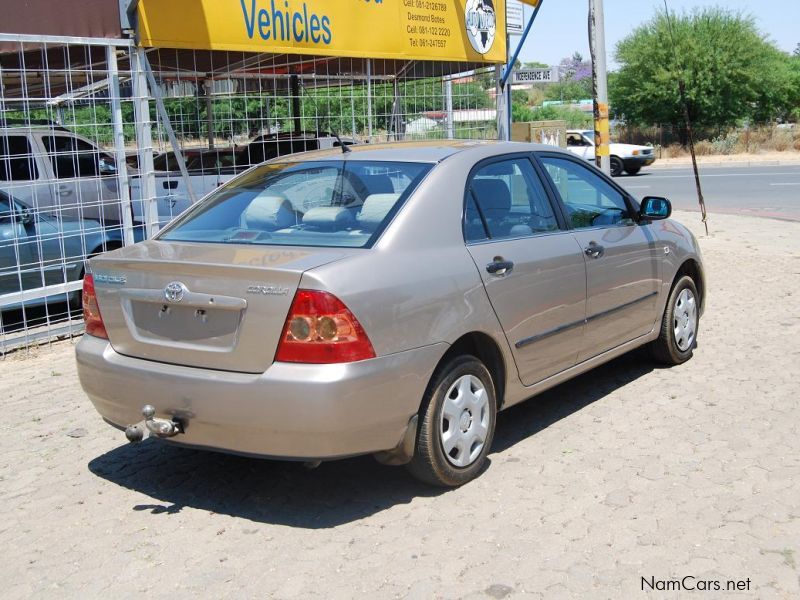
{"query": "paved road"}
(763, 191)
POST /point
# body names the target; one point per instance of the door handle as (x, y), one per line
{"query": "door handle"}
(594, 250)
(499, 266)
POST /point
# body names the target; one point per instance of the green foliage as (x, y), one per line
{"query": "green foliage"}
(575, 119)
(732, 73)
(569, 90)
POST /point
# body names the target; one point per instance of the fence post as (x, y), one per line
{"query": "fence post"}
(448, 94)
(369, 99)
(119, 146)
(144, 143)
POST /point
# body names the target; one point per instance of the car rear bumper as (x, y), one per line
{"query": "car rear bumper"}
(292, 411)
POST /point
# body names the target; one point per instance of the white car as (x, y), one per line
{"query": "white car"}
(624, 157)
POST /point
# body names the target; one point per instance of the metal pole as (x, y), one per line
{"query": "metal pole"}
(369, 100)
(448, 95)
(144, 143)
(165, 123)
(123, 185)
(209, 86)
(597, 49)
(294, 91)
(503, 134)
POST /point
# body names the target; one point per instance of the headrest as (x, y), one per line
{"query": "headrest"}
(331, 218)
(375, 209)
(269, 212)
(493, 196)
(378, 184)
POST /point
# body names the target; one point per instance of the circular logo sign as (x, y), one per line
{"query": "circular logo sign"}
(481, 24)
(174, 291)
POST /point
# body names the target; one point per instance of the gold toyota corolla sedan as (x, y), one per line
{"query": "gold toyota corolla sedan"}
(387, 300)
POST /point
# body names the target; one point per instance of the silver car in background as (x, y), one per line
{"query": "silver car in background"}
(386, 300)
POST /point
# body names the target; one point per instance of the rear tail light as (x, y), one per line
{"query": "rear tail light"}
(92, 319)
(320, 329)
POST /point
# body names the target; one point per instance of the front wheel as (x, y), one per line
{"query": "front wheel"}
(679, 325)
(633, 170)
(616, 166)
(457, 422)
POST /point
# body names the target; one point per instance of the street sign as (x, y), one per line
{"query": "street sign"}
(543, 75)
(515, 19)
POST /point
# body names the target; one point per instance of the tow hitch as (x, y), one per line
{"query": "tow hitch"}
(162, 428)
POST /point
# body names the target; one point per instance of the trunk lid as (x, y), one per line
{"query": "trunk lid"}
(214, 306)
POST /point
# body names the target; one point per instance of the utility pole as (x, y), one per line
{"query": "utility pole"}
(597, 51)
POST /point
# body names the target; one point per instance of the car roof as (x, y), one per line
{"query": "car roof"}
(427, 151)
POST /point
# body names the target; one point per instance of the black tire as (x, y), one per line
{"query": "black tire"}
(633, 170)
(616, 166)
(430, 463)
(666, 349)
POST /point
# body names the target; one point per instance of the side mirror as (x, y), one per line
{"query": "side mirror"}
(655, 208)
(107, 167)
(25, 217)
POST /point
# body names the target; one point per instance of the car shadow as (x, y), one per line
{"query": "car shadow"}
(337, 492)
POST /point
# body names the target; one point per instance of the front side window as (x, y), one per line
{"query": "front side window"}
(589, 199)
(505, 200)
(72, 157)
(333, 203)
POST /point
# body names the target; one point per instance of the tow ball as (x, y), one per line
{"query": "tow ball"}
(162, 428)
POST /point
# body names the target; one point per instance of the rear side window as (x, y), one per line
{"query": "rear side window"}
(505, 200)
(323, 203)
(16, 159)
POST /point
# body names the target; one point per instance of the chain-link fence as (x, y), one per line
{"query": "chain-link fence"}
(102, 143)
(66, 124)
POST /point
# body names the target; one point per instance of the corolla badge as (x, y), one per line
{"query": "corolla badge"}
(481, 24)
(174, 291)
(110, 278)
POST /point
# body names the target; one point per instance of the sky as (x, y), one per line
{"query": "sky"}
(561, 25)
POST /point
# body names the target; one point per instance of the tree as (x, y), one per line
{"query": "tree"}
(575, 80)
(730, 70)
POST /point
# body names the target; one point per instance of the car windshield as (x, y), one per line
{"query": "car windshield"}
(322, 203)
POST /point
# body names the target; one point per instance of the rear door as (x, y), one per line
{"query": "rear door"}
(532, 268)
(623, 269)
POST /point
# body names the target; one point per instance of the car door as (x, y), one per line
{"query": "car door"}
(85, 183)
(623, 270)
(20, 173)
(532, 268)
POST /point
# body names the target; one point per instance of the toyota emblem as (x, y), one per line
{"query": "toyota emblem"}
(174, 291)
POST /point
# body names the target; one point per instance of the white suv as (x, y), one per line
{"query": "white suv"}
(624, 157)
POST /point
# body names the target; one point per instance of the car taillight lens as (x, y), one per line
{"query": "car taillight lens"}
(320, 329)
(91, 311)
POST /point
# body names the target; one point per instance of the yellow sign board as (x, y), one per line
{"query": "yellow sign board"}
(457, 30)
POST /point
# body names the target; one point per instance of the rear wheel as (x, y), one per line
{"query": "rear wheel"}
(457, 422)
(678, 336)
(616, 166)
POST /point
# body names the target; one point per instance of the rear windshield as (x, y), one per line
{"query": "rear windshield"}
(326, 203)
